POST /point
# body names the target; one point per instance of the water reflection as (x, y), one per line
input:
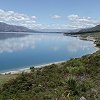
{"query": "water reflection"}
(51, 42)
(15, 44)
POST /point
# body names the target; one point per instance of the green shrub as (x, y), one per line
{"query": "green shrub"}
(76, 70)
(72, 85)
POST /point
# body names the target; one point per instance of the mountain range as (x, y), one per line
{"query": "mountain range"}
(86, 30)
(93, 29)
(13, 28)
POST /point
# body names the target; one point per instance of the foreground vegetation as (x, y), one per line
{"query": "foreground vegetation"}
(69, 80)
(6, 78)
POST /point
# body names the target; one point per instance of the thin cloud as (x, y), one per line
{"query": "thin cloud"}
(76, 21)
(55, 17)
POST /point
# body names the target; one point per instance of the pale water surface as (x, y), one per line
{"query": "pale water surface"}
(19, 51)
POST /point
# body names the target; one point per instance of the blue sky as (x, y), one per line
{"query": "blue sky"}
(51, 13)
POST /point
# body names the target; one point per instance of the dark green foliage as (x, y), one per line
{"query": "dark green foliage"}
(32, 69)
(72, 85)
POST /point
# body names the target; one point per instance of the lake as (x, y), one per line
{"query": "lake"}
(18, 51)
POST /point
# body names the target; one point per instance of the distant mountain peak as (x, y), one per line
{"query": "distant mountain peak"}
(14, 28)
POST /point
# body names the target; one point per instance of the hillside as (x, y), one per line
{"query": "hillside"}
(13, 28)
(93, 29)
(85, 30)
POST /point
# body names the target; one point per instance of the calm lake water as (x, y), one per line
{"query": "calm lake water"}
(19, 51)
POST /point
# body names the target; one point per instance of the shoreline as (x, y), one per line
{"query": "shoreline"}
(27, 69)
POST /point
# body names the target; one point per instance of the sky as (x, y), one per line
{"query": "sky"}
(50, 14)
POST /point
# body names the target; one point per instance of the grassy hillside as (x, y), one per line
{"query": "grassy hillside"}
(65, 81)
(5, 78)
(95, 36)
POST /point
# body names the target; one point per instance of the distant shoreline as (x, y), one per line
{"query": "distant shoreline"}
(17, 33)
